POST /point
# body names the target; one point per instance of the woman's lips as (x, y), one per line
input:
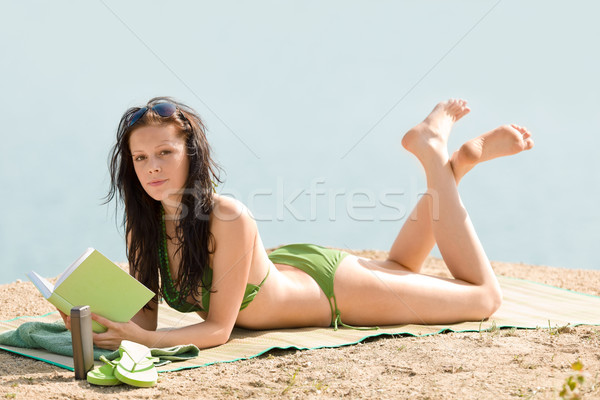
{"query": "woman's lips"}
(157, 182)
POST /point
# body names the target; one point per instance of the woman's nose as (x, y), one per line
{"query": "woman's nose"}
(154, 166)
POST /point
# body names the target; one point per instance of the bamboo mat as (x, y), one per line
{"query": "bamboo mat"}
(526, 305)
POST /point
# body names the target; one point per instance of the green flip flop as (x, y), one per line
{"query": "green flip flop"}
(104, 375)
(136, 365)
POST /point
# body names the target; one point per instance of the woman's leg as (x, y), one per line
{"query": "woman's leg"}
(368, 294)
(415, 240)
(453, 231)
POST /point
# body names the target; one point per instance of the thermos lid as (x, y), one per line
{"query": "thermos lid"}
(80, 311)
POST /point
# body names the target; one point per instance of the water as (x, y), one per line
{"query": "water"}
(303, 98)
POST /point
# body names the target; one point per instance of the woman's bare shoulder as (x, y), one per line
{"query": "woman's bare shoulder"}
(233, 229)
(230, 212)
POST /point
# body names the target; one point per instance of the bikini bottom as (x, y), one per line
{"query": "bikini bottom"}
(320, 263)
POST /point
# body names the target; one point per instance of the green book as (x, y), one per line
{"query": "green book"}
(93, 280)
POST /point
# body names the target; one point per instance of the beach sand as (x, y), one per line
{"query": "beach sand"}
(501, 364)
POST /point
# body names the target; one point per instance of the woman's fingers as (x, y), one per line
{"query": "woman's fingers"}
(106, 341)
(115, 332)
(102, 321)
(111, 339)
(66, 319)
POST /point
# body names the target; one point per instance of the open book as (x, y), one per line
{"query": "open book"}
(96, 281)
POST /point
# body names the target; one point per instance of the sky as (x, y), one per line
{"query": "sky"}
(297, 93)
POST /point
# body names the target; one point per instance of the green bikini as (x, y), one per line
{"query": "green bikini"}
(317, 261)
(171, 294)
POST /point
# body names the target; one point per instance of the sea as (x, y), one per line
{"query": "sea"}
(305, 104)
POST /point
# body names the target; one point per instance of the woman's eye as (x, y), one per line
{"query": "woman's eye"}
(165, 152)
(138, 158)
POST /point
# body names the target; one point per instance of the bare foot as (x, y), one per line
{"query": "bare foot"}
(430, 137)
(505, 140)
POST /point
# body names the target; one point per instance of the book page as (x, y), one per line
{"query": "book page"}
(45, 287)
(73, 266)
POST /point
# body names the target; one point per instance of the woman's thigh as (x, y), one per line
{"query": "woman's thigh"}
(371, 292)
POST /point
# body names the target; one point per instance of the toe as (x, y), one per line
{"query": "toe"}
(528, 144)
(526, 134)
(517, 127)
(521, 129)
(463, 112)
(453, 107)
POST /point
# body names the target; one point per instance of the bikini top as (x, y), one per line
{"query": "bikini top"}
(171, 294)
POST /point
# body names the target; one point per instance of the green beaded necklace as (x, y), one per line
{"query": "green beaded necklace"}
(169, 291)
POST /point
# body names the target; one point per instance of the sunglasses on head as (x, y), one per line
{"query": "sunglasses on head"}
(162, 109)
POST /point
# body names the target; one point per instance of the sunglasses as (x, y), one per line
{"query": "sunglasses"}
(162, 109)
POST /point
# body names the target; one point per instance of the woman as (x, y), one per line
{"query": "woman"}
(208, 253)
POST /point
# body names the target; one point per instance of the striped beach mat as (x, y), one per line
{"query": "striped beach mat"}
(526, 305)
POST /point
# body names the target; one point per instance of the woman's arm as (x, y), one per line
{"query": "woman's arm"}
(147, 318)
(203, 335)
(235, 233)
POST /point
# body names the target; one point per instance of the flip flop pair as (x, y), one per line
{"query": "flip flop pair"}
(135, 367)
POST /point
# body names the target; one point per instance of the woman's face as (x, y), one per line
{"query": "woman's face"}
(161, 162)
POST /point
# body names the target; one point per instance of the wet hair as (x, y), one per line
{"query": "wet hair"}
(142, 218)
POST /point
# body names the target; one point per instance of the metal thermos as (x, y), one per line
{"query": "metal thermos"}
(83, 344)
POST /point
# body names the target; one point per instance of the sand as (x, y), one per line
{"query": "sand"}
(502, 364)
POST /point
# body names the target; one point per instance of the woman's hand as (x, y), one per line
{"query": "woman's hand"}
(116, 332)
(66, 319)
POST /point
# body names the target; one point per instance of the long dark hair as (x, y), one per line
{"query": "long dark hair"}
(142, 217)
